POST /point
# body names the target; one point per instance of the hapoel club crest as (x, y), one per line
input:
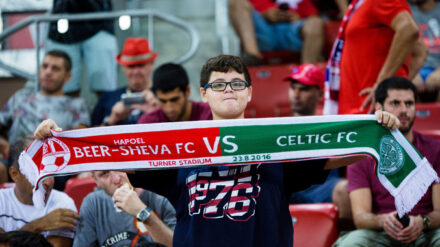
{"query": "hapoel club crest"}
(391, 156)
(56, 155)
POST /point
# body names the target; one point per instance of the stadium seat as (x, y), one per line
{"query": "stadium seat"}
(270, 93)
(78, 188)
(315, 224)
(281, 57)
(7, 185)
(427, 119)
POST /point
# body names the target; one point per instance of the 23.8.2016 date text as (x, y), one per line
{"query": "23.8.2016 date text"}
(251, 157)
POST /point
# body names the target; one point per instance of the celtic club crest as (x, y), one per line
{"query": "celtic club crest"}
(391, 156)
(56, 155)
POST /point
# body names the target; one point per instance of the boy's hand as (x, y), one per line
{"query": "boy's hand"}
(43, 130)
(387, 119)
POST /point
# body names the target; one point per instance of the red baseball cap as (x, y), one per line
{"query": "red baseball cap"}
(136, 51)
(307, 74)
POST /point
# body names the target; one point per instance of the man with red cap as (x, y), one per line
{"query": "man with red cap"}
(127, 104)
(305, 93)
(307, 83)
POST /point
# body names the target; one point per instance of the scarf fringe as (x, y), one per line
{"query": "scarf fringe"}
(30, 171)
(28, 167)
(38, 197)
(414, 188)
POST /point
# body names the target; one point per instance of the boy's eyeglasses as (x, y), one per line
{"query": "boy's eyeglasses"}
(221, 85)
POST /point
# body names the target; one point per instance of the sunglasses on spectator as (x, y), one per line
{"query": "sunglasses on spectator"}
(221, 85)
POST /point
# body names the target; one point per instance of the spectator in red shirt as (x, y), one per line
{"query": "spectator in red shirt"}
(270, 25)
(378, 40)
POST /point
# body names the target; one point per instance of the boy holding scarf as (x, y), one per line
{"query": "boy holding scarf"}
(243, 205)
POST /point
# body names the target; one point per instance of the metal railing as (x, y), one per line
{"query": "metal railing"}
(148, 13)
(224, 32)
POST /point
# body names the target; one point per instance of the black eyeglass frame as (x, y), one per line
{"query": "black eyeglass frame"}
(226, 83)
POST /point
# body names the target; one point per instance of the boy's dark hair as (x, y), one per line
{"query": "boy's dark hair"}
(63, 55)
(23, 239)
(17, 148)
(168, 77)
(223, 63)
(381, 92)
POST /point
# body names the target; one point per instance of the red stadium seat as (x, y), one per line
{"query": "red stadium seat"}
(315, 224)
(7, 185)
(281, 57)
(270, 95)
(427, 119)
(78, 188)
